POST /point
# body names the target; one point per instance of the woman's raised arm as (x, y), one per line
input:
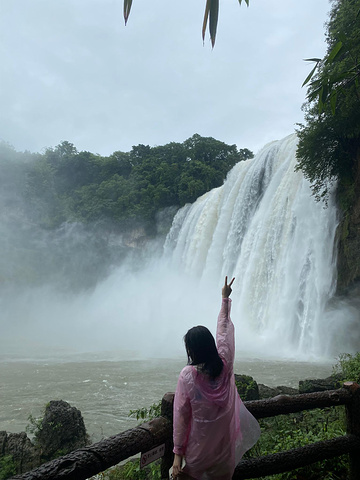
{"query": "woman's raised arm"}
(225, 336)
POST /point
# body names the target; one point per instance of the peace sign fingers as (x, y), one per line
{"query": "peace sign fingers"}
(226, 290)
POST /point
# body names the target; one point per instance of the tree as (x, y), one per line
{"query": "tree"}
(118, 162)
(64, 184)
(211, 15)
(326, 87)
(329, 142)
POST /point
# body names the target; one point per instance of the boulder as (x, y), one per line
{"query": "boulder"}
(25, 455)
(270, 392)
(247, 387)
(62, 430)
(320, 384)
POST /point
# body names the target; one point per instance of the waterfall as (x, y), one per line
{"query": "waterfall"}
(264, 227)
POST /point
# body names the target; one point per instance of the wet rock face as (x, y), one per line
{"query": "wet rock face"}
(348, 258)
(24, 453)
(270, 392)
(320, 384)
(62, 430)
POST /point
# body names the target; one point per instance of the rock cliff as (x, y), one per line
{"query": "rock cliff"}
(348, 260)
(61, 431)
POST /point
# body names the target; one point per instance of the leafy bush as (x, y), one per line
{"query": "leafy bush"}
(328, 142)
(131, 471)
(348, 367)
(247, 387)
(286, 432)
(35, 425)
(146, 414)
(7, 467)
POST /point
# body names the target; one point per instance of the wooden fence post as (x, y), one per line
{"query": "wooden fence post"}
(167, 403)
(353, 426)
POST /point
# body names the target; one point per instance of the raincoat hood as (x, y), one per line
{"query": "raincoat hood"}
(216, 391)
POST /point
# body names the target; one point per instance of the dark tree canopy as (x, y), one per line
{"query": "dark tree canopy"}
(329, 141)
(65, 185)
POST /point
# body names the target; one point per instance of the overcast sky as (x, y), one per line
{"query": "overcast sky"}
(70, 70)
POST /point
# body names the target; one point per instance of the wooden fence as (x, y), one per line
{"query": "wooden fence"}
(88, 461)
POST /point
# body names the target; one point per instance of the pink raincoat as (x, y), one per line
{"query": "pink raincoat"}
(212, 427)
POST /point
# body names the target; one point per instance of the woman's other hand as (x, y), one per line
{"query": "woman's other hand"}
(177, 465)
(226, 290)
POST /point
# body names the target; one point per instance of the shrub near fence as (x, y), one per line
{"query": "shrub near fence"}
(86, 462)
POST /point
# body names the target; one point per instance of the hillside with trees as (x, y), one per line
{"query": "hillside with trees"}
(87, 209)
(127, 187)
(329, 141)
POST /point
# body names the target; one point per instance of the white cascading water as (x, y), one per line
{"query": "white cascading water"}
(264, 227)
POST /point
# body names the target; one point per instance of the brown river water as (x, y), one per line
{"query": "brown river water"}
(106, 389)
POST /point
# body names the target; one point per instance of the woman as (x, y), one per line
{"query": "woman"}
(212, 427)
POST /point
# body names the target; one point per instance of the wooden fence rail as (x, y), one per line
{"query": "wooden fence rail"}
(85, 462)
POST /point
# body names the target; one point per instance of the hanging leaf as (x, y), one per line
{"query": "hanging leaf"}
(334, 52)
(206, 16)
(312, 60)
(127, 8)
(324, 93)
(320, 104)
(211, 14)
(308, 78)
(214, 16)
(333, 98)
(314, 93)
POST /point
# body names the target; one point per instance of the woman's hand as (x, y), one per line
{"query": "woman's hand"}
(177, 465)
(226, 290)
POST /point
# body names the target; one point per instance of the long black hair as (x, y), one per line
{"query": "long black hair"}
(201, 350)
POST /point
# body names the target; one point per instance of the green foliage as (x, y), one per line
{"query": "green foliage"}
(348, 367)
(7, 467)
(67, 185)
(286, 432)
(131, 471)
(35, 425)
(247, 387)
(329, 142)
(87, 198)
(147, 414)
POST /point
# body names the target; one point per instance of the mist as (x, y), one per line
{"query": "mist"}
(133, 313)
(90, 292)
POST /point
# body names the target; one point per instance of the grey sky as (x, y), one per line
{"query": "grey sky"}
(70, 70)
